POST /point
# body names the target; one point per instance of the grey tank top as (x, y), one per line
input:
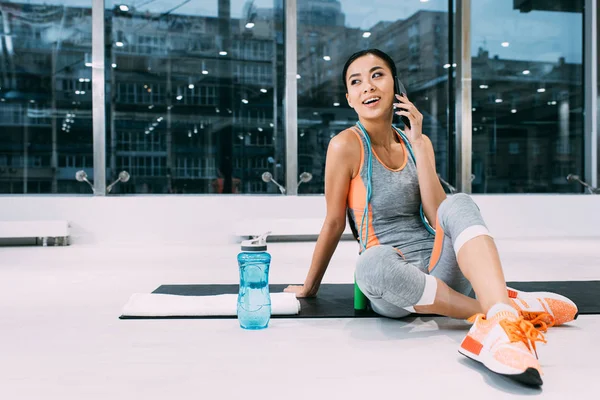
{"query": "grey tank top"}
(394, 210)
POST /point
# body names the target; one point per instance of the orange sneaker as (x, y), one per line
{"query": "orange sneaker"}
(551, 308)
(505, 344)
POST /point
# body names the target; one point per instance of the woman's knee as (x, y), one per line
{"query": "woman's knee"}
(461, 220)
(459, 204)
(371, 261)
(458, 200)
(382, 273)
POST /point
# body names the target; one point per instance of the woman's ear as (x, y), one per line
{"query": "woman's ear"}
(348, 100)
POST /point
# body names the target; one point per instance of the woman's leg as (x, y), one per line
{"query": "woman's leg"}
(450, 303)
(465, 256)
(463, 240)
(480, 263)
(460, 226)
(397, 288)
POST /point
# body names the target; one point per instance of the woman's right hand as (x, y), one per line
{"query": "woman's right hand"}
(300, 291)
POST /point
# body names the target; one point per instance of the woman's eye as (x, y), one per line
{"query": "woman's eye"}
(376, 74)
(354, 81)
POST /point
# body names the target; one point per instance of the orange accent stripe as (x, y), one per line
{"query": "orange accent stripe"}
(512, 294)
(372, 239)
(437, 245)
(472, 345)
(356, 201)
(362, 151)
(357, 195)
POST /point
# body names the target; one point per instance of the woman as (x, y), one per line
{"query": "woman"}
(404, 266)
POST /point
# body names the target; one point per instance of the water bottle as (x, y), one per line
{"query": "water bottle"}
(254, 300)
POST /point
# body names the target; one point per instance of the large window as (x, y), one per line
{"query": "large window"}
(194, 96)
(45, 97)
(414, 34)
(527, 95)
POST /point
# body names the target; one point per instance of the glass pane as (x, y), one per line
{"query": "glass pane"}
(194, 96)
(414, 34)
(527, 96)
(45, 97)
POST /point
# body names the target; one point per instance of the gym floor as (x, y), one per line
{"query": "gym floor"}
(62, 339)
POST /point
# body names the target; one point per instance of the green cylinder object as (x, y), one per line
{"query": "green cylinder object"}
(360, 300)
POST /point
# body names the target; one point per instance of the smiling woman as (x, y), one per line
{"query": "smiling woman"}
(385, 180)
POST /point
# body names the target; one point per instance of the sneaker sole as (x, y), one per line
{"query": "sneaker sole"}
(529, 377)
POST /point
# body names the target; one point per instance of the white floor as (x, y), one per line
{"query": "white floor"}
(61, 337)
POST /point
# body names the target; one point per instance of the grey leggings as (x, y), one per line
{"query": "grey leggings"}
(393, 283)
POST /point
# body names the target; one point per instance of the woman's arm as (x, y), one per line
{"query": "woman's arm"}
(341, 155)
(432, 192)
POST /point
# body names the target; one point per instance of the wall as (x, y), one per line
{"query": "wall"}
(216, 219)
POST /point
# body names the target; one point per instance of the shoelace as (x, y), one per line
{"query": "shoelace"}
(521, 330)
(540, 320)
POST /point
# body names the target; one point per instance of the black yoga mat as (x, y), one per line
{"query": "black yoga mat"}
(337, 300)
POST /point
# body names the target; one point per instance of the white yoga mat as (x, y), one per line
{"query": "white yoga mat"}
(167, 305)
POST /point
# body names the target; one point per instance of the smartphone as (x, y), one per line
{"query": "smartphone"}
(401, 90)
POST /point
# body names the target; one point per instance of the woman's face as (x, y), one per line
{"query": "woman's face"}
(370, 87)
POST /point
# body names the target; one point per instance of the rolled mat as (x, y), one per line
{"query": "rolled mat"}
(222, 305)
(337, 300)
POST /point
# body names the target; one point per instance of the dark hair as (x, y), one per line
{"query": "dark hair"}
(376, 52)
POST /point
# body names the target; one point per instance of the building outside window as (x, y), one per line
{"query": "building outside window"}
(195, 97)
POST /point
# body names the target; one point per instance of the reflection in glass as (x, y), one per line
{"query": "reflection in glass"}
(45, 97)
(414, 34)
(527, 96)
(194, 96)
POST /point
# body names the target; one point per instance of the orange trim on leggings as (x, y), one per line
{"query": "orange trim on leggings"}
(401, 254)
(437, 245)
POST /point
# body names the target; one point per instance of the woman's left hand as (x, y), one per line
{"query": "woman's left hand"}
(406, 108)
